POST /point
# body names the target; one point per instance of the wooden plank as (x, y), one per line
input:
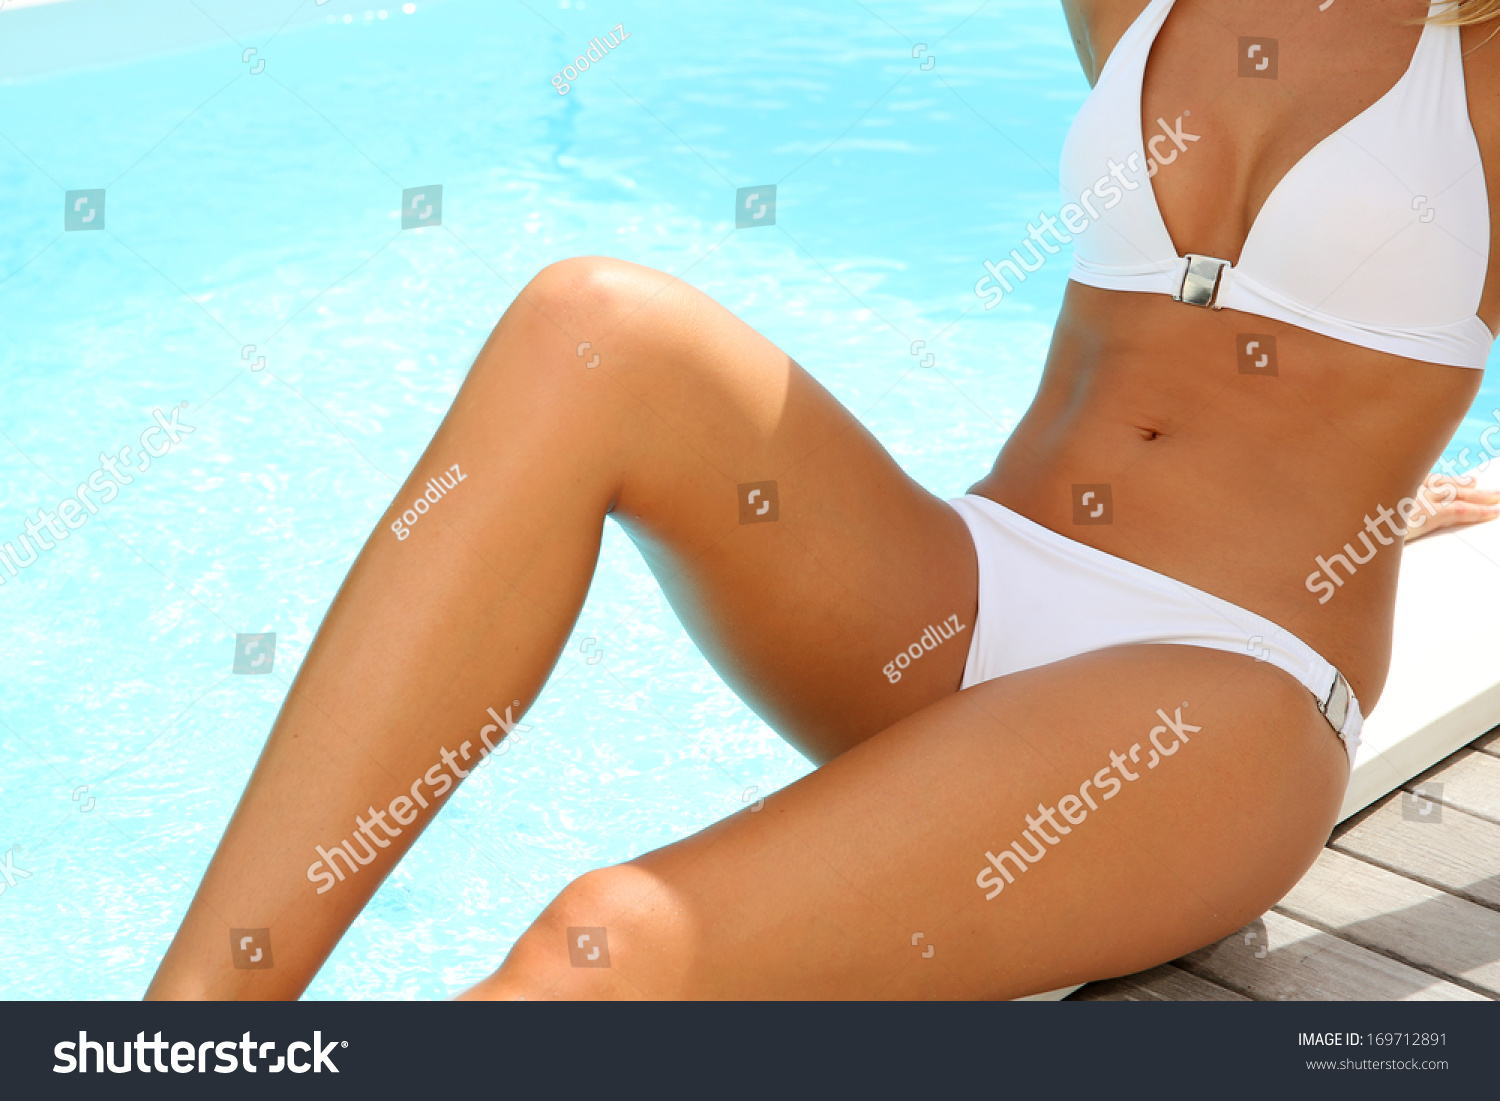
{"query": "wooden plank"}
(1471, 782)
(1167, 983)
(1277, 958)
(1399, 918)
(1489, 743)
(1444, 848)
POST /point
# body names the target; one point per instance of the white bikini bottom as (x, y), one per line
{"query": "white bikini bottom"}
(1044, 597)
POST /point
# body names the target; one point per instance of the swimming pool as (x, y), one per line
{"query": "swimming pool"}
(248, 259)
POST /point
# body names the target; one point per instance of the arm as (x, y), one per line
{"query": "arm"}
(1077, 13)
(1096, 27)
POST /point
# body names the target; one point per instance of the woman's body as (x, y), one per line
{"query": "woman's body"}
(1229, 482)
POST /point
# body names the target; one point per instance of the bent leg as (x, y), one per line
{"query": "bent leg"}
(875, 877)
(445, 619)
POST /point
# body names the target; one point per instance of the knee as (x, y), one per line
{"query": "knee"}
(583, 294)
(617, 932)
(578, 314)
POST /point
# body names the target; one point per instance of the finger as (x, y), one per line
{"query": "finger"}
(1478, 495)
(1460, 514)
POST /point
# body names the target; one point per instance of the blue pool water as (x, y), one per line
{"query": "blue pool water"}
(262, 208)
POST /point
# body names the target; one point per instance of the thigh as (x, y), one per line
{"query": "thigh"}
(800, 557)
(1162, 797)
(455, 611)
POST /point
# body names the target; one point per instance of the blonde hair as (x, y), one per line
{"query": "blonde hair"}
(1463, 12)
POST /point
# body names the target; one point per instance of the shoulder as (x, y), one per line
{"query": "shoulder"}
(1096, 25)
(1481, 50)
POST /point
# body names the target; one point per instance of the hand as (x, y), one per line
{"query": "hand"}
(1470, 505)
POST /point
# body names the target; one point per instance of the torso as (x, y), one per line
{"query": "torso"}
(1231, 482)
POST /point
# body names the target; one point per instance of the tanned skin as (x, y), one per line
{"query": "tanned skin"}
(1229, 482)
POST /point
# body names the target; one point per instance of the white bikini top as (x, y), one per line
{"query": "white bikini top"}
(1379, 236)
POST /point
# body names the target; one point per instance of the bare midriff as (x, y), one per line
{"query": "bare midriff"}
(1232, 482)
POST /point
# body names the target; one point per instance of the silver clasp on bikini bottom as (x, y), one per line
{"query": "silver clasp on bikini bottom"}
(1336, 707)
(1202, 277)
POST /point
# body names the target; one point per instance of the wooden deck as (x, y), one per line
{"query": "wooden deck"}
(1403, 905)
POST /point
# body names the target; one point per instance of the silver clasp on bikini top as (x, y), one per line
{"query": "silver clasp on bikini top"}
(1202, 279)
